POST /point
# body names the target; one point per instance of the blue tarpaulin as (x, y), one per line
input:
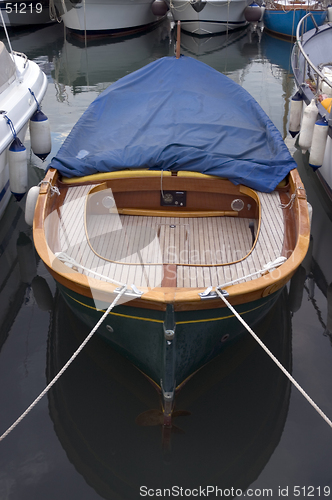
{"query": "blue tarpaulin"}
(177, 114)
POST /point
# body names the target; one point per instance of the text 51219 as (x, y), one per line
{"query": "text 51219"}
(23, 8)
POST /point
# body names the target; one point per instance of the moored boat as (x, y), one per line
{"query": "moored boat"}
(22, 88)
(311, 64)
(281, 17)
(168, 191)
(208, 17)
(107, 17)
(233, 412)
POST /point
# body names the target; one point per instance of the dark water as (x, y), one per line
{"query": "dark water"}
(248, 428)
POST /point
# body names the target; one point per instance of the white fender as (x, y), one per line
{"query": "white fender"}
(30, 204)
(18, 169)
(329, 13)
(295, 115)
(40, 135)
(325, 87)
(318, 144)
(307, 128)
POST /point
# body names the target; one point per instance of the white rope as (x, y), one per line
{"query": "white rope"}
(64, 368)
(313, 404)
(70, 262)
(269, 267)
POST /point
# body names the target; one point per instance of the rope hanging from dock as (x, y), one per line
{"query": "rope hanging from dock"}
(64, 368)
(288, 375)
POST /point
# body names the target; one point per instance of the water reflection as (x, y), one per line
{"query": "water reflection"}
(18, 263)
(318, 268)
(104, 61)
(235, 409)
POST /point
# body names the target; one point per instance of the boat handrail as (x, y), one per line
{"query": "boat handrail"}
(299, 39)
(24, 56)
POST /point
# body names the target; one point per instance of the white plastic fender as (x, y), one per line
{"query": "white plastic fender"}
(18, 168)
(295, 115)
(307, 128)
(40, 135)
(325, 87)
(318, 144)
(329, 13)
(30, 204)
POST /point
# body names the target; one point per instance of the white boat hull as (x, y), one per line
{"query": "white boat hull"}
(216, 16)
(107, 15)
(17, 103)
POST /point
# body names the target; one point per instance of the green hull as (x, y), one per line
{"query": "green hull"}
(138, 334)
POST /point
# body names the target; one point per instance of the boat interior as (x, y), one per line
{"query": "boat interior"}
(171, 229)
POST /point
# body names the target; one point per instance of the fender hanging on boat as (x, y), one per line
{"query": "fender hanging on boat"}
(252, 13)
(40, 134)
(18, 168)
(295, 115)
(307, 128)
(318, 143)
(30, 204)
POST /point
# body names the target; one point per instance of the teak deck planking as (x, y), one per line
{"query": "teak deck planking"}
(190, 237)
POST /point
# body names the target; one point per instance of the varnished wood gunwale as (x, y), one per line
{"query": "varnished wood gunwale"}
(182, 298)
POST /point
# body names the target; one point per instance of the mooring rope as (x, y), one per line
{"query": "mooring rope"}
(307, 397)
(64, 368)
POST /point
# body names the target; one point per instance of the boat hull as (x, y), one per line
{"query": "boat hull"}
(138, 333)
(284, 23)
(238, 404)
(217, 16)
(20, 106)
(317, 46)
(108, 16)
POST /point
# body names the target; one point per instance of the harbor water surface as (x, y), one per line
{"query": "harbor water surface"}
(242, 429)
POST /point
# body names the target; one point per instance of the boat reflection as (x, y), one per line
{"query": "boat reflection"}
(19, 283)
(318, 269)
(231, 414)
(98, 63)
(226, 52)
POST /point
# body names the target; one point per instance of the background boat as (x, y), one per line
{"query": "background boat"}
(19, 78)
(282, 16)
(207, 17)
(311, 64)
(105, 17)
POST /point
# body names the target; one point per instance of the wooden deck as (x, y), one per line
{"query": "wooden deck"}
(198, 252)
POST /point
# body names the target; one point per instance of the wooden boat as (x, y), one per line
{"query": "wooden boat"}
(311, 65)
(173, 219)
(281, 17)
(233, 412)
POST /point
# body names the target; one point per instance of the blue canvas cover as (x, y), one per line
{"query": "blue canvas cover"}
(177, 114)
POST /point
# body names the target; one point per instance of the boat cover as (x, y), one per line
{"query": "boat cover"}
(177, 114)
